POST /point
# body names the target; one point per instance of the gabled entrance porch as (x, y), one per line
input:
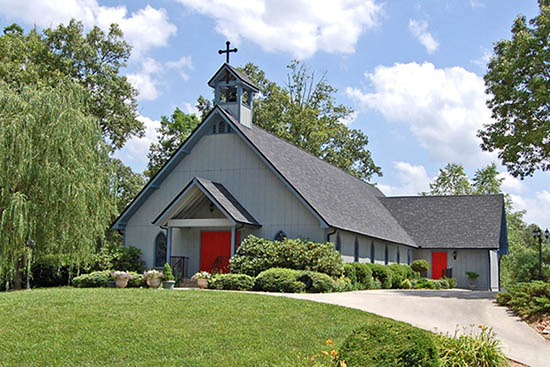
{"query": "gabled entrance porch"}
(202, 224)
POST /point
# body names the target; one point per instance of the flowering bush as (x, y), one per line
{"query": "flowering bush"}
(152, 274)
(121, 275)
(201, 275)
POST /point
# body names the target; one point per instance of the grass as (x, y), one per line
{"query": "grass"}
(143, 327)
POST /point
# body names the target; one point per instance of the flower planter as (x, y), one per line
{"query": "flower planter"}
(153, 282)
(168, 284)
(121, 283)
(202, 283)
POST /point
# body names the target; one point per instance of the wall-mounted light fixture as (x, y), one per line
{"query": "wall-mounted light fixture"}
(454, 255)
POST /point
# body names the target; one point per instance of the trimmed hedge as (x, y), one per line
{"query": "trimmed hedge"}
(236, 282)
(383, 274)
(279, 280)
(388, 343)
(315, 282)
(359, 274)
(256, 255)
(94, 279)
(420, 266)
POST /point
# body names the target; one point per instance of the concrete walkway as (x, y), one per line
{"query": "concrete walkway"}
(443, 311)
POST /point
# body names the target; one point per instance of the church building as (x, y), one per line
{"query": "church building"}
(230, 179)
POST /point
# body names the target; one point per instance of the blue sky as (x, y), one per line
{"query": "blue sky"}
(412, 70)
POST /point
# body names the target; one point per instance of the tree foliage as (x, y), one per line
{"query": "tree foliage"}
(304, 112)
(452, 180)
(518, 81)
(127, 184)
(54, 179)
(93, 60)
(172, 133)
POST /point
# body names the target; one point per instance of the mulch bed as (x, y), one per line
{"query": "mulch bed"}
(542, 325)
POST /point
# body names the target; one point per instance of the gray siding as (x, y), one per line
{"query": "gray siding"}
(466, 260)
(348, 248)
(225, 158)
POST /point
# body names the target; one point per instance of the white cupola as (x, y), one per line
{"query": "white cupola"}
(234, 91)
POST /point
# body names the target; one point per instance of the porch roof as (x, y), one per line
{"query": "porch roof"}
(216, 193)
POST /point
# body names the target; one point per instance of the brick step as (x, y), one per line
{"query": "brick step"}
(188, 283)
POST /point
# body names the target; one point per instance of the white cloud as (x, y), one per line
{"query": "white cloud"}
(144, 29)
(419, 29)
(412, 180)
(484, 59)
(181, 65)
(192, 109)
(349, 119)
(146, 84)
(134, 152)
(300, 27)
(536, 208)
(510, 184)
(476, 4)
(443, 108)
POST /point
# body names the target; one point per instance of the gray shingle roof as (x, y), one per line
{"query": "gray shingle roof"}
(341, 200)
(472, 221)
(228, 202)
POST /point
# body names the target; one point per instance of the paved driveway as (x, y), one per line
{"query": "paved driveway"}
(445, 310)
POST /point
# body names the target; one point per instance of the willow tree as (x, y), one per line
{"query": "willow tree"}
(55, 188)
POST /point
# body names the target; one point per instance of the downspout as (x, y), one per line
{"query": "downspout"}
(331, 234)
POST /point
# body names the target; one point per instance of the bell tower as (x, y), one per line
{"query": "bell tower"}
(233, 90)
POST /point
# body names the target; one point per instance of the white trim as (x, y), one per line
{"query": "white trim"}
(222, 222)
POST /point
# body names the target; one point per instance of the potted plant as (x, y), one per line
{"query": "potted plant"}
(202, 278)
(121, 278)
(472, 275)
(168, 277)
(153, 278)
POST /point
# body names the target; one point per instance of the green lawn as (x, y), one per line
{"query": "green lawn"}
(143, 327)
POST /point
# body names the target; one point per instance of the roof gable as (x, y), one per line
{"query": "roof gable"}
(236, 73)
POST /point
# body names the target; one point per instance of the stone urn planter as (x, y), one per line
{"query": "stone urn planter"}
(153, 282)
(202, 283)
(121, 283)
(168, 284)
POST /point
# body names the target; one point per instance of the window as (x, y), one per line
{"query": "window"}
(338, 243)
(386, 255)
(280, 236)
(372, 252)
(160, 250)
(398, 255)
(213, 128)
(221, 128)
(356, 250)
(408, 256)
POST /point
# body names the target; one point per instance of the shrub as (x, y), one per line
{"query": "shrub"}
(450, 281)
(236, 282)
(388, 343)
(475, 349)
(94, 279)
(350, 273)
(420, 266)
(136, 280)
(279, 280)
(167, 272)
(316, 282)
(364, 275)
(342, 284)
(383, 274)
(256, 255)
(120, 258)
(527, 299)
(424, 283)
(442, 284)
(400, 272)
(406, 284)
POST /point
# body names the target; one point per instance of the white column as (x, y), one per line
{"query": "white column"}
(233, 240)
(168, 245)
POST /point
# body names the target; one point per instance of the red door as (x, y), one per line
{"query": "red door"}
(439, 262)
(216, 251)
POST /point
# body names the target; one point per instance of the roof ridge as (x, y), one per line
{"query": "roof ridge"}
(440, 196)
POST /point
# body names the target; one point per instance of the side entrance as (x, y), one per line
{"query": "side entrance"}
(439, 264)
(216, 251)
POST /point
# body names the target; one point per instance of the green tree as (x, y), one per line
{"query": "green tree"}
(93, 60)
(451, 180)
(304, 112)
(172, 133)
(54, 176)
(126, 183)
(518, 83)
(486, 180)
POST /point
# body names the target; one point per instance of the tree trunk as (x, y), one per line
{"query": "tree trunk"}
(18, 277)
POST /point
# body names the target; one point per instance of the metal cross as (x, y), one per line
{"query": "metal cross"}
(227, 51)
